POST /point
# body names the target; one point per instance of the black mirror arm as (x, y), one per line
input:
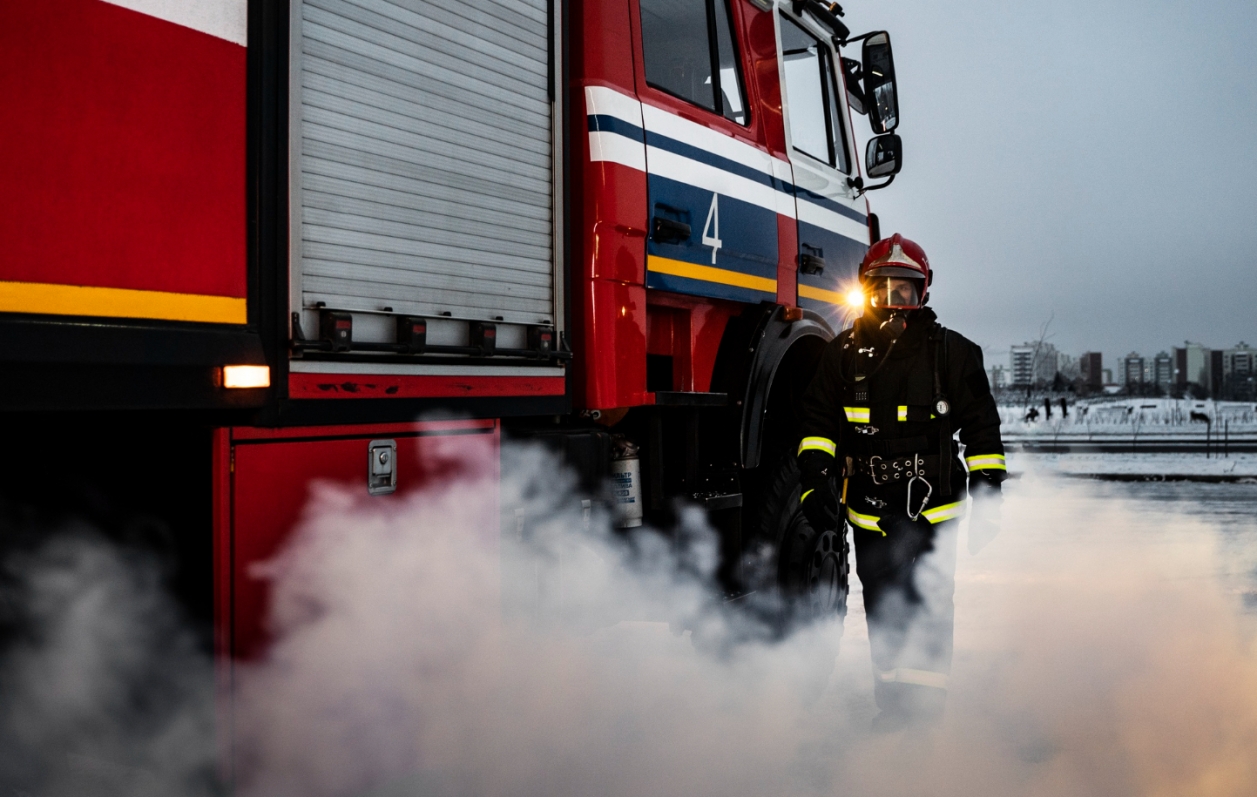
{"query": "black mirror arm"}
(861, 189)
(861, 37)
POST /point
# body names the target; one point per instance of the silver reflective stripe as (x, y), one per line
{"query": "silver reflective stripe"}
(423, 158)
(904, 675)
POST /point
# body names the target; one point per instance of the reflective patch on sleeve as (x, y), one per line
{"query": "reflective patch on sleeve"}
(903, 413)
(986, 462)
(866, 522)
(818, 444)
(803, 497)
(945, 512)
(857, 414)
(905, 675)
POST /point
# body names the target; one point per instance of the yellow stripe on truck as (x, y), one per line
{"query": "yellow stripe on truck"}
(821, 295)
(89, 300)
(723, 276)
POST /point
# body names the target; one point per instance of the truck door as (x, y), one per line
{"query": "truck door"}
(833, 221)
(714, 191)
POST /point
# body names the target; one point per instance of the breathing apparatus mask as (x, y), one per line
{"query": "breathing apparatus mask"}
(893, 294)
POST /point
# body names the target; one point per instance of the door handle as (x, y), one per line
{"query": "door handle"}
(811, 264)
(668, 231)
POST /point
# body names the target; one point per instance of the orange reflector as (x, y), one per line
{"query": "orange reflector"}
(791, 313)
(246, 376)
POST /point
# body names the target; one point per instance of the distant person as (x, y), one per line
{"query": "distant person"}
(886, 399)
(1032, 414)
(1064, 408)
(1047, 408)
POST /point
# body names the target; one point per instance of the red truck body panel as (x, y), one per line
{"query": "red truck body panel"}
(123, 165)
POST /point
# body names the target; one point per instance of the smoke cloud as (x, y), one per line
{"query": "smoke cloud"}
(1100, 649)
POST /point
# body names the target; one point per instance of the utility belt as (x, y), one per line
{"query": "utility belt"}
(890, 469)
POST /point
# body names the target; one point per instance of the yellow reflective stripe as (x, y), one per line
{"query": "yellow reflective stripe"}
(905, 675)
(803, 497)
(903, 413)
(987, 462)
(945, 512)
(722, 276)
(818, 444)
(820, 294)
(857, 414)
(90, 300)
(866, 522)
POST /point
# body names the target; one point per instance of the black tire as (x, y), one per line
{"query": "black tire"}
(809, 570)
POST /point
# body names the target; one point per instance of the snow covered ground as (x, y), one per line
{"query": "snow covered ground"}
(1196, 466)
(1127, 417)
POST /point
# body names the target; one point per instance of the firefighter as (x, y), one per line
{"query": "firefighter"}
(878, 425)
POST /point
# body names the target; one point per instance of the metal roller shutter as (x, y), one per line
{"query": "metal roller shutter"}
(423, 170)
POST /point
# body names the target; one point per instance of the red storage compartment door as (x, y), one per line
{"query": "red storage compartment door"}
(264, 482)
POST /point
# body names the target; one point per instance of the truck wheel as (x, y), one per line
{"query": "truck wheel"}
(808, 568)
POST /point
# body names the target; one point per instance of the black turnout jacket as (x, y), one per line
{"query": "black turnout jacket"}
(887, 408)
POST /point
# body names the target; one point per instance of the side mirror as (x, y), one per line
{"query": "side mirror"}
(881, 98)
(883, 157)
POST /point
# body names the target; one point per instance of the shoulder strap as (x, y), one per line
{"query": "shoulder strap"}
(942, 407)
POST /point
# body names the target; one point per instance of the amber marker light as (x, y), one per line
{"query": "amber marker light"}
(244, 376)
(855, 298)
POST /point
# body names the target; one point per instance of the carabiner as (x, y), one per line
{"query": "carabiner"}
(929, 490)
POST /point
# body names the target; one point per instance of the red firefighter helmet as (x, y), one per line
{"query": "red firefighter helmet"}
(896, 274)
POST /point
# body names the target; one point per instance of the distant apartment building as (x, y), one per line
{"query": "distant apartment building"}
(1032, 364)
(1132, 369)
(1239, 361)
(1192, 366)
(1091, 369)
(1162, 372)
(1239, 373)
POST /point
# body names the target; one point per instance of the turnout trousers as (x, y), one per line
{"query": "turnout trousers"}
(908, 574)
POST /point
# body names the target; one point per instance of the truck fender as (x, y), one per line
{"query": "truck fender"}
(754, 346)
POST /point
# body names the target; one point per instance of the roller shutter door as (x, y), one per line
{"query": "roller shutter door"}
(423, 176)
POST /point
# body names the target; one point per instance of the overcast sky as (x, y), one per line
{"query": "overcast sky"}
(1089, 161)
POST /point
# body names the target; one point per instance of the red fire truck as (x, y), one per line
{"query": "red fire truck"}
(248, 243)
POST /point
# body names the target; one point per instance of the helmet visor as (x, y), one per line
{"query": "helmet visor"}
(894, 292)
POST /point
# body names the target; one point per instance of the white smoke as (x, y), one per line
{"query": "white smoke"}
(1097, 652)
(102, 688)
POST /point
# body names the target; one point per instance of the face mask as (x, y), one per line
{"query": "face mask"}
(889, 293)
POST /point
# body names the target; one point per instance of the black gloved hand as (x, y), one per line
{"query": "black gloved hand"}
(817, 499)
(984, 518)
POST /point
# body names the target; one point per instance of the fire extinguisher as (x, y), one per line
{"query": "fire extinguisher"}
(626, 484)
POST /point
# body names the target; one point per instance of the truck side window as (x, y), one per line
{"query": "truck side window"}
(690, 52)
(816, 127)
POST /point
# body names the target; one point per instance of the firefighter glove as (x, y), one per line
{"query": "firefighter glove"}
(816, 498)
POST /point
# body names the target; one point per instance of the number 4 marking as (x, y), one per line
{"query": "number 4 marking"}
(711, 230)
